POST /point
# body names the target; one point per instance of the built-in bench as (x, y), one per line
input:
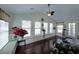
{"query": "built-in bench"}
(9, 48)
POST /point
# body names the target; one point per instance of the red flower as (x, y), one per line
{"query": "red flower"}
(19, 32)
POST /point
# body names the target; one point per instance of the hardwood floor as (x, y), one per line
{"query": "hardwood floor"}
(23, 50)
(44, 47)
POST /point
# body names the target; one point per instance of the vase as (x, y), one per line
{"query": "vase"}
(15, 37)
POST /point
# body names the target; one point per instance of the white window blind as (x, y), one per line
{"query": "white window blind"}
(27, 26)
(4, 33)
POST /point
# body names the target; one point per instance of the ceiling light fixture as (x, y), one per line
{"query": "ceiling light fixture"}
(50, 13)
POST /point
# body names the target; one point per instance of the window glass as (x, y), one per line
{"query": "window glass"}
(71, 29)
(27, 26)
(4, 33)
(46, 27)
(37, 28)
(59, 28)
(51, 28)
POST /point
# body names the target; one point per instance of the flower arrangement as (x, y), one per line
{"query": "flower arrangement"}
(19, 32)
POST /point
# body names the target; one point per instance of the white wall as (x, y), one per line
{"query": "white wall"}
(17, 21)
(66, 21)
(17, 18)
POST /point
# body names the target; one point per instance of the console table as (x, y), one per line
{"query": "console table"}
(21, 41)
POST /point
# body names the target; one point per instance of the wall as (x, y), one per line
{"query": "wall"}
(66, 21)
(17, 19)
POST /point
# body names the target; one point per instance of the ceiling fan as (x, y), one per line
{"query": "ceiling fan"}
(50, 13)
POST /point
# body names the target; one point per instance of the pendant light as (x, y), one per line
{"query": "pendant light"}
(50, 13)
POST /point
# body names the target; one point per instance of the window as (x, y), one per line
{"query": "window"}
(37, 28)
(4, 33)
(71, 29)
(51, 28)
(46, 27)
(27, 26)
(59, 29)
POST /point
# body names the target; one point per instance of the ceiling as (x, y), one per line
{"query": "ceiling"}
(61, 10)
(23, 8)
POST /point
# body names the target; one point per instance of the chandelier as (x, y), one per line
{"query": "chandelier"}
(50, 13)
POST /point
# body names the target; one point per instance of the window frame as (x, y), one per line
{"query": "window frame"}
(46, 27)
(58, 31)
(50, 29)
(37, 28)
(27, 35)
(71, 31)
